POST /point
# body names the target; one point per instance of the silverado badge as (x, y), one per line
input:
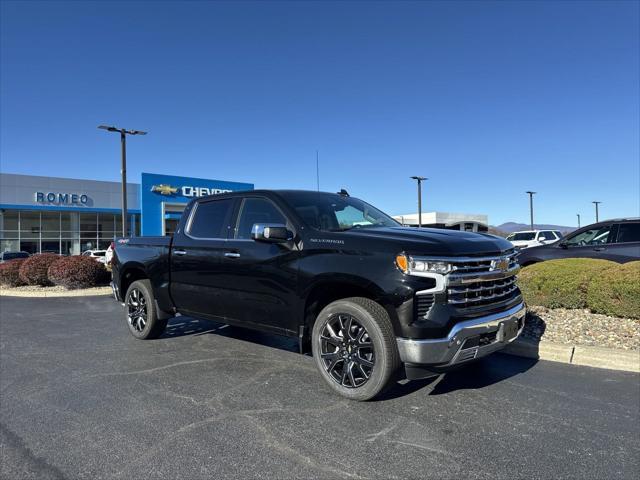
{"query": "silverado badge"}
(163, 189)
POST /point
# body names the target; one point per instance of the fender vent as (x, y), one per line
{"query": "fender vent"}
(423, 305)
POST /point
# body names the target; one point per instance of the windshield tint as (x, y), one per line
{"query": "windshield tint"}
(334, 213)
(522, 236)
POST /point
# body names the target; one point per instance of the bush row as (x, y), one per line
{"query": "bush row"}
(599, 285)
(48, 269)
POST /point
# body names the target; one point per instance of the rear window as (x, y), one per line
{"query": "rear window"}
(629, 232)
(211, 219)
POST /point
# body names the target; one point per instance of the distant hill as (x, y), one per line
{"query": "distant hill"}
(511, 227)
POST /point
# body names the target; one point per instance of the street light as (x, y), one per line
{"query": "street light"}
(596, 204)
(578, 219)
(123, 142)
(419, 180)
(531, 194)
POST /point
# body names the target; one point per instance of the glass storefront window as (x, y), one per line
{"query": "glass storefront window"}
(29, 224)
(8, 224)
(50, 224)
(89, 223)
(10, 245)
(50, 245)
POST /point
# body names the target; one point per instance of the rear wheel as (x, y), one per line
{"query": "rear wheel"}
(354, 347)
(141, 311)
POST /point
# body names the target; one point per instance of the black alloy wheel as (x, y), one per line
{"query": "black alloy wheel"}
(347, 351)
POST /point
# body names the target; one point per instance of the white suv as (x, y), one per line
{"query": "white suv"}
(99, 255)
(533, 238)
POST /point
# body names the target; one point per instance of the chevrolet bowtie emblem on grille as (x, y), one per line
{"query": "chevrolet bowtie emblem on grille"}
(501, 264)
(164, 189)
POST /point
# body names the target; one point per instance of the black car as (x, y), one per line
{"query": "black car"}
(366, 294)
(6, 256)
(617, 240)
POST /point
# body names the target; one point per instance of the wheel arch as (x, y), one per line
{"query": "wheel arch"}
(329, 288)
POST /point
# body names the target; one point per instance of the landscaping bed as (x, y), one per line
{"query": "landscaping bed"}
(55, 291)
(581, 327)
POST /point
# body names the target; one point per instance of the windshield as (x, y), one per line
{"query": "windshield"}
(334, 213)
(522, 236)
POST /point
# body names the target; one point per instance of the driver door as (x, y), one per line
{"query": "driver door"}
(592, 243)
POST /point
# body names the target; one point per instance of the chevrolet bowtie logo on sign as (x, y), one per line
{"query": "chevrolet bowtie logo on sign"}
(163, 189)
(501, 264)
(187, 191)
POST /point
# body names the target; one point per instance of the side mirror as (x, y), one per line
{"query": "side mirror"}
(563, 245)
(271, 233)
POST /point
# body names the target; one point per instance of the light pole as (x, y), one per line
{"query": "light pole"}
(419, 180)
(123, 169)
(596, 204)
(578, 219)
(531, 194)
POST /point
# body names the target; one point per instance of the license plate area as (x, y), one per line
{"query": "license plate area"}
(508, 330)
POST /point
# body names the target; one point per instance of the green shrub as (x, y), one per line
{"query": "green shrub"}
(561, 283)
(616, 291)
(10, 273)
(33, 270)
(78, 272)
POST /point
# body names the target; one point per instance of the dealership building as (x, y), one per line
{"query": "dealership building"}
(69, 216)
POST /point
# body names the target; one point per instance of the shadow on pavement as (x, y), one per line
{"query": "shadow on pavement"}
(476, 375)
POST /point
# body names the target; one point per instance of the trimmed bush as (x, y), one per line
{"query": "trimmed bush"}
(616, 291)
(33, 270)
(10, 273)
(561, 283)
(78, 272)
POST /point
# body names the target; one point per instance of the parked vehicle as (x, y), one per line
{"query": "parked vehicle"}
(617, 240)
(368, 295)
(6, 256)
(533, 238)
(99, 255)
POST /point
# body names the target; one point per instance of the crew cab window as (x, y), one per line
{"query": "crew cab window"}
(335, 213)
(628, 232)
(592, 236)
(211, 219)
(257, 210)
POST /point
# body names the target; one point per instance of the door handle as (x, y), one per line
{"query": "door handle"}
(179, 252)
(232, 255)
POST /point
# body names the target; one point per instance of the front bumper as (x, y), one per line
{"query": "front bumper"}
(466, 341)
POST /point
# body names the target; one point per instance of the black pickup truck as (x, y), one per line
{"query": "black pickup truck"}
(367, 295)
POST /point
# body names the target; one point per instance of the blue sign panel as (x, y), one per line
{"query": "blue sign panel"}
(162, 196)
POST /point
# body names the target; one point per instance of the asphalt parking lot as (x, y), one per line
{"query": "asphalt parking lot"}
(81, 398)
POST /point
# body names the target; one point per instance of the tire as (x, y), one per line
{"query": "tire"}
(141, 312)
(365, 365)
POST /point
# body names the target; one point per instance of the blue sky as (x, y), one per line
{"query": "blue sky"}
(487, 99)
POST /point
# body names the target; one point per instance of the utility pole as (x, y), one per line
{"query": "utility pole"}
(578, 219)
(419, 180)
(123, 167)
(531, 194)
(317, 171)
(596, 204)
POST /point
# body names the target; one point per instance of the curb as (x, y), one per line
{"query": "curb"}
(90, 292)
(598, 357)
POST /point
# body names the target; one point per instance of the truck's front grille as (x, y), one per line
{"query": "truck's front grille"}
(484, 264)
(483, 292)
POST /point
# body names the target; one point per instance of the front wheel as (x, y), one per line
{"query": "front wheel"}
(141, 311)
(354, 347)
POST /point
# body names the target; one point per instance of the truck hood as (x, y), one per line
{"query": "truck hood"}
(435, 241)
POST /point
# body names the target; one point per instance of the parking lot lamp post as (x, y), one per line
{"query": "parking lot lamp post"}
(531, 194)
(596, 204)
(123, 169)
(578, 219)
(419, 180)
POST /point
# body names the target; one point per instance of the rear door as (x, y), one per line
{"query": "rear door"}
(197, 286)
(260, 278)
(627, 246)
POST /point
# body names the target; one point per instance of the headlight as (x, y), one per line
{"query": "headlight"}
(417, 265)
